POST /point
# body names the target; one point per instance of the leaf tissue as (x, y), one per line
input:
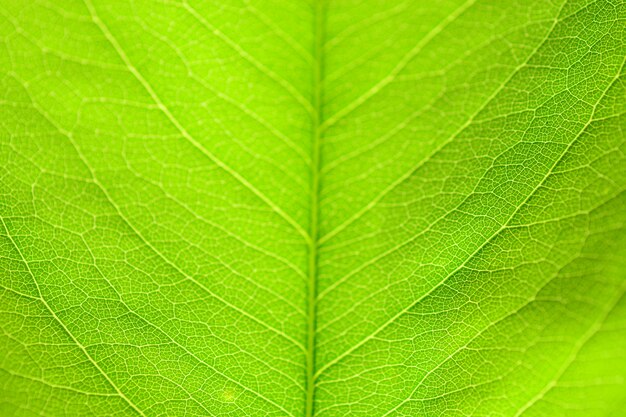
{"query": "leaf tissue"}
(313, 208)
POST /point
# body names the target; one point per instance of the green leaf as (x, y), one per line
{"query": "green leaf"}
(322, 208)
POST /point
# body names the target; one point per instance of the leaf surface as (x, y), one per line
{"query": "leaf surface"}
(322, 208)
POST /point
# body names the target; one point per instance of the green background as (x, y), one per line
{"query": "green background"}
(331, 208)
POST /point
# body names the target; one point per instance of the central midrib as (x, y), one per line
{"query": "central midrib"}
(317, 120)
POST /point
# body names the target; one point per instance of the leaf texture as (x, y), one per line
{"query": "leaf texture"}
(323, 208)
